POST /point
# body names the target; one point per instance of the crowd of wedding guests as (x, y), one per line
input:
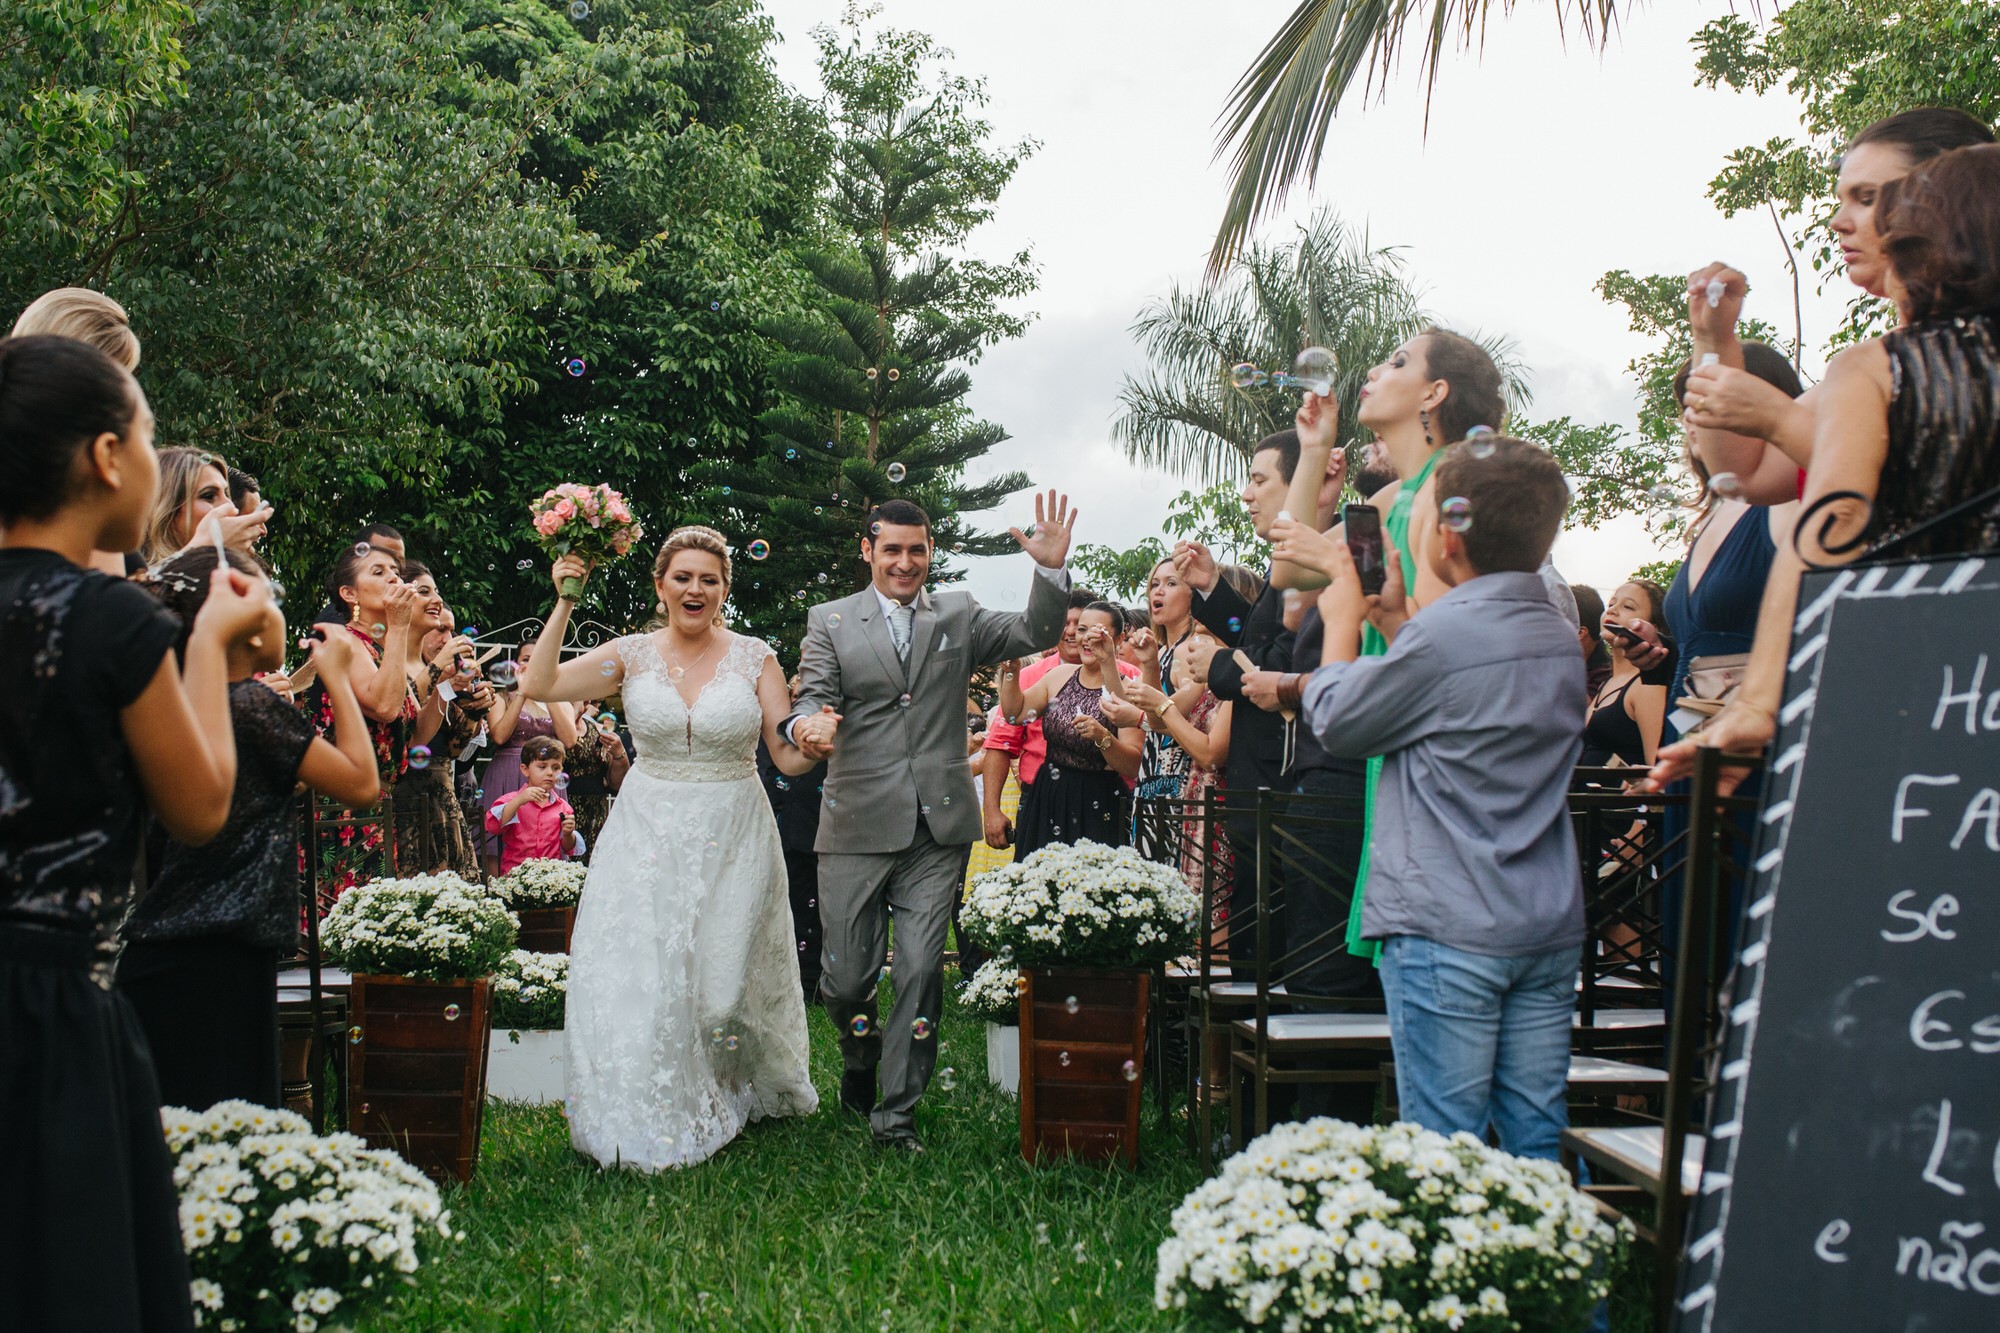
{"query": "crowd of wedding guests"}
(152, 746)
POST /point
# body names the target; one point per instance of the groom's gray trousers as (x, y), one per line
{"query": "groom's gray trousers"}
(919, 883)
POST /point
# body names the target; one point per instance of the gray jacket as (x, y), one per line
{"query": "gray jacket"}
(900, 749)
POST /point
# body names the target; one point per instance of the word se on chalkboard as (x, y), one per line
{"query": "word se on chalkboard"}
(1852, 1171)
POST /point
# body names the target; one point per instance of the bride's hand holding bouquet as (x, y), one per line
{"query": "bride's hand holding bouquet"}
(592, 522)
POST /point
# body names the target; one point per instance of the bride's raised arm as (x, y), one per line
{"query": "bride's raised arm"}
(594, 675)
(776, 701)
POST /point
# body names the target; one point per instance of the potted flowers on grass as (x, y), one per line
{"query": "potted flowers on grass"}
(1331, 1226)
(1086, 925)
(543, 894)
(285, 1229)
(421, 949)
(993, 993)
(530, 995)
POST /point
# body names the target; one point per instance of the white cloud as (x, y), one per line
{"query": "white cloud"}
(1541, 169)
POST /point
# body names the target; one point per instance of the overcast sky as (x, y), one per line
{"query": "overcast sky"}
(1542, 169)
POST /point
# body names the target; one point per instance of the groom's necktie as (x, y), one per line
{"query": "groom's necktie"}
(900, 621)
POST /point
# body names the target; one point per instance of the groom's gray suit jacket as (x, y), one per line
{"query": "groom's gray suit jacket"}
(901, 743)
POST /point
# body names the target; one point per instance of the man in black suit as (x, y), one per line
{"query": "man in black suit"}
(1261, 739)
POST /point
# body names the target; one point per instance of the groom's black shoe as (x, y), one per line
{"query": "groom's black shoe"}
(857, 1091)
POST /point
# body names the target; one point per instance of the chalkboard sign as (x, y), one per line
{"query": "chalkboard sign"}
(1852, 1174)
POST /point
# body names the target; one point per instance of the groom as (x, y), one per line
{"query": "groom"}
(888, 669)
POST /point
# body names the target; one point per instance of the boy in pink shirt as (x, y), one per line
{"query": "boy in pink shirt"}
(534, 823)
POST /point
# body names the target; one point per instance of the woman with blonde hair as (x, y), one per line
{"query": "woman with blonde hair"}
(685, 1017)
(86, 316)
(194, 487)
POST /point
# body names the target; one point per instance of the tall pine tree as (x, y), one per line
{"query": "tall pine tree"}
(872, 375)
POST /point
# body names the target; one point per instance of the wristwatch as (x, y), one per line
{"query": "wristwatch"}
(1104, 742)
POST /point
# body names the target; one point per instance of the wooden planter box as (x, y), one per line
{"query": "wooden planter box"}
(1080, 1072)
(546, 929)
(417, 1069)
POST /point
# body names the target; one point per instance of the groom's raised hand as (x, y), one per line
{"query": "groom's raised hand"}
(1048, 542)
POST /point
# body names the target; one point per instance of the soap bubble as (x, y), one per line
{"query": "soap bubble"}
(1314, 369)
(1725, 486)
(579, 10)
(1063, 1059)
(1456, 513)
(1243, 374)
(1481, 441)
(451, 1012)
(504, 674)
(420, 757)
(897, 472)
(872, 372)
(574, 366)
(715, 305)
(1663, 494)
(895, 374)
(608, 670)
(731, 1042)
(760, 549)
(1235, 624)
(958, 548)
(947, 1078)
(354, 1036)
(362, 548)
(791, 454)
(921, 1029)
(822, 577)
(859, 1027)
(525, 565)
(470, 631)
(833, 620)
(1714, 292)
(1131, 1071)
(1071, 1005)
(1020, 983)
(277, 593)
(378, 629)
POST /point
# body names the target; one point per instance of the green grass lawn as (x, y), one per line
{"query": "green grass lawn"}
(803, 1224)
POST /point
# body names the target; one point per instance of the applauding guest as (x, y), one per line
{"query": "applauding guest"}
(1080, 792)
(96, 719)
(204, 939)
(1475, 902)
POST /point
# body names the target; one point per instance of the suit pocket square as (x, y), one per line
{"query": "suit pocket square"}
(944, 642)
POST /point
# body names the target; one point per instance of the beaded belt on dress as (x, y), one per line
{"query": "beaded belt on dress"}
(698, 770)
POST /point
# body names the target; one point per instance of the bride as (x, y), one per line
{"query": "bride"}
(685, 1017)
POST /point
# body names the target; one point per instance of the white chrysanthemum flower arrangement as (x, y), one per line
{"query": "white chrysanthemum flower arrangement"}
(286, 1229)
(1327, 1226)
(542, 883)
(992, 993)
(1084, 904)
(430, 927)
(531, 991)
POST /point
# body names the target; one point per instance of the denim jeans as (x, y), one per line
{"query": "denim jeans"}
(1482, 1041)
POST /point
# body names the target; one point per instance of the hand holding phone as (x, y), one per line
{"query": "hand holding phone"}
(1362, 526)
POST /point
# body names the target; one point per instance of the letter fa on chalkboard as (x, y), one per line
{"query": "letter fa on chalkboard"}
(1851, 1176)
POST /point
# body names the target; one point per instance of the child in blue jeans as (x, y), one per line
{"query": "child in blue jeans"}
(1477, 708)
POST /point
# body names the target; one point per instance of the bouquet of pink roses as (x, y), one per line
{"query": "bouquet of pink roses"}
(591, 521)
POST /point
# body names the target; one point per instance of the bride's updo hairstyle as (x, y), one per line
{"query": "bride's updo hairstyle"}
(694, 537)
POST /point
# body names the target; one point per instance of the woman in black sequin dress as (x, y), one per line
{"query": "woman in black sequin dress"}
(1906, 446)
(206, 938)
(1081, 791)
(96, 721)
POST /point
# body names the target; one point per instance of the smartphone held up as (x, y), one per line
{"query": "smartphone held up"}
(1362, 524)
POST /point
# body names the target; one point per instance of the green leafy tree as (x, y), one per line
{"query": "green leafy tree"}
(1216, 518)
(1849, 63)
(1119, 575)
(871, 369)
(1281, 108)
(324, 244)
(696, 172)
(1325, 287)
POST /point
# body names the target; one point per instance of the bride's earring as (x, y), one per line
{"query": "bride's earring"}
(660, 607)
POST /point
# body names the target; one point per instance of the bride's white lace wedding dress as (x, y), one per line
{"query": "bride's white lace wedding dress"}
(686, 1020)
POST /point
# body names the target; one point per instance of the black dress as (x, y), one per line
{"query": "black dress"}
(1944, 440)
(89, 1218)
(1076, 795)
(205, 939)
